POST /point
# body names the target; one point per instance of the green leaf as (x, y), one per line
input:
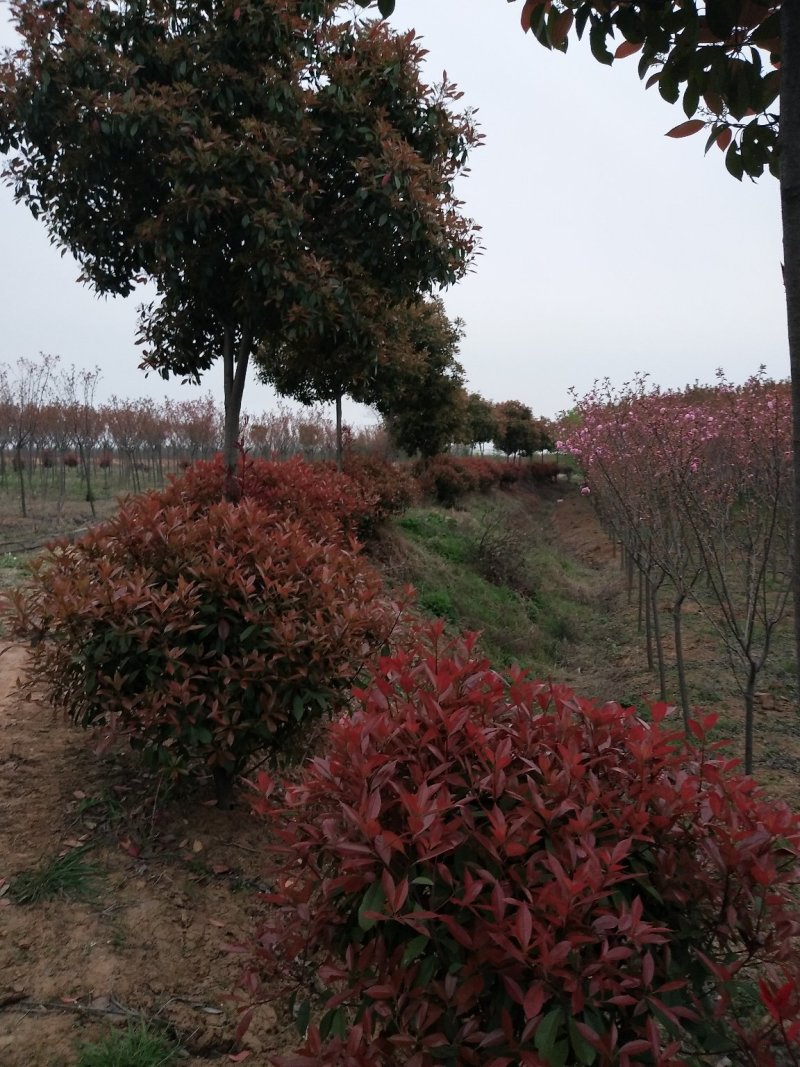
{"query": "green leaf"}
(333, 1024)
(721, 16)
(668, 87)
(597, 43)
(546, 1034)
(303, 1017)
(373, 900)
(414, 948)
(630, 25)
(386, 7)
(558, 1057)
(581, 18)
(691, 99)
(584, 1052)
(733, 161)
(426, 972)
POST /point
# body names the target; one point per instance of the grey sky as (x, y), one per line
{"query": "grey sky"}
(609, 248)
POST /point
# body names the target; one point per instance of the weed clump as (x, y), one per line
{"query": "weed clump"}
(141, 1044)
(70, 876)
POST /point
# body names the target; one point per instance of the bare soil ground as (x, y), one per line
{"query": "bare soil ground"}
(178, 880)
(178, 883)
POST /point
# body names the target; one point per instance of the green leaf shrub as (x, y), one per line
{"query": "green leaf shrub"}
(204, 635)
(497, 872)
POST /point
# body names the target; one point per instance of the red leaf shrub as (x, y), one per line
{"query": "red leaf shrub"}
(391, 486)
(202, 635)
(499, 872)
(326, 501)
(446, 479)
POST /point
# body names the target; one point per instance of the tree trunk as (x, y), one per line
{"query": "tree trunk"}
(21, 473)
(339, 457)
(88, 474)
(648, 622)
(677, 623)
(790, 211)
(657, 639)
(234, 375)
(749, 716)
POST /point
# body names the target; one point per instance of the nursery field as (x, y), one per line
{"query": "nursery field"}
(119, 902)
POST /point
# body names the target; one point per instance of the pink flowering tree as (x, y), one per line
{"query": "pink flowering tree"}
(697, 485)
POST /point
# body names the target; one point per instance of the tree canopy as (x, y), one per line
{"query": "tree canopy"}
(198, 143)
(386, 215)
(422, 397)
(720, 59)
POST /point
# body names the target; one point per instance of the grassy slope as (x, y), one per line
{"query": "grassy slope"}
(537, 576)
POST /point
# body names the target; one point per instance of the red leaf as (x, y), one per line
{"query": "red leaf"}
(534, 1001)
(627, 48)
(559, 28)
(686, 129)
(243, 1024)
(724, 139)
(527, 11)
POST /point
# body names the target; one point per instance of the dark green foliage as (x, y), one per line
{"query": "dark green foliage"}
(279, 174)
(720, 59)
(422, 398)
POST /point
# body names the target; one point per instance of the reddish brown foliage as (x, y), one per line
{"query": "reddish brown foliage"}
(326, 501)
(391, 486)
(494, 872)
(449, 478)
(203, 635)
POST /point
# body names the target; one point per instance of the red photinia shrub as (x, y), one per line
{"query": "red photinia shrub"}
(497, 872)
(446, 478)
(449, 478)
(542, 471)
(325, 500)
(391, 486)
(202, 635)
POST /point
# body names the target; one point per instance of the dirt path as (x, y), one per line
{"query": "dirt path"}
(176, 885)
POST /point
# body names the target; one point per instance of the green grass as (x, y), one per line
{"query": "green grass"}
(142, 1044)
(443, 534)
(68, 876)
(105, 807)
(490, 567)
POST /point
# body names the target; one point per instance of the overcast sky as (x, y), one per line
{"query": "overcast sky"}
(609, 248)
